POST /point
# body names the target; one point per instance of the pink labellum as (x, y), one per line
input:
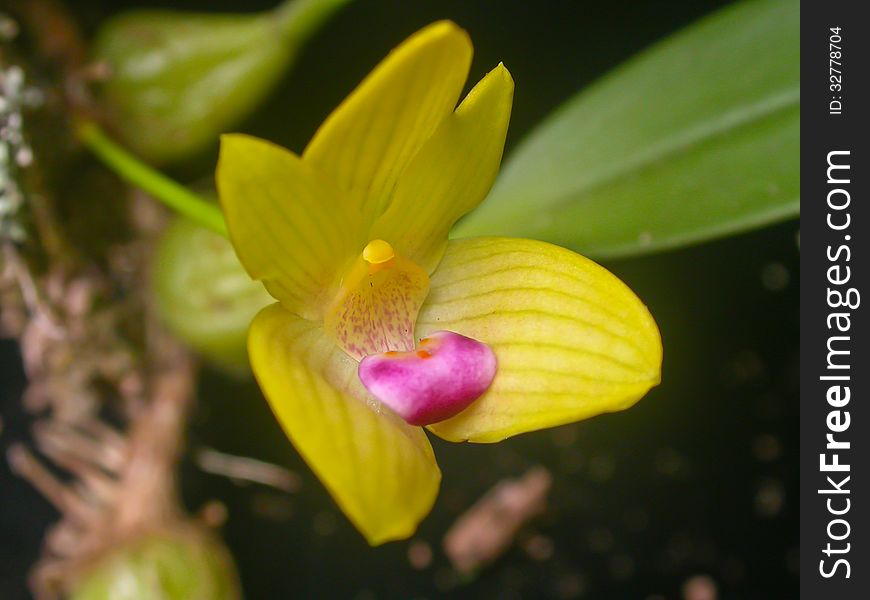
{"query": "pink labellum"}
(439, 380)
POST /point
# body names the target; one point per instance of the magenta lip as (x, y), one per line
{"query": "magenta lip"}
(437, 381)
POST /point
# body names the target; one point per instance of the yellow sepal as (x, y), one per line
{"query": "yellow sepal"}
(451, 174)
(380, 470)
(366, 143)
(283, 223)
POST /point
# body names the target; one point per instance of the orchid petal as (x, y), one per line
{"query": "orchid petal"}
(366, 143)
(376, 307)
(451, 174)
(571, 339)
(281, 218)
(380, 470)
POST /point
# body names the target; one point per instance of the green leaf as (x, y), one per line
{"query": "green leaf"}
(177, 80)
(698, 137)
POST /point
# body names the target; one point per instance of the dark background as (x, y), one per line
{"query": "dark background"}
(700, 478)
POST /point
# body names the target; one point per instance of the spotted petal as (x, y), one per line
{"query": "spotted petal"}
(380, 470)
(571, 340)
(375, 309)
(369, 139)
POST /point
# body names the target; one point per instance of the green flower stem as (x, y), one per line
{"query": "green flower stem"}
(136, 173)
(299, 19)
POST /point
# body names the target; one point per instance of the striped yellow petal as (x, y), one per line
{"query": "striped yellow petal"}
(451, 174)
(380, 470)
(282, 221)
(571, 339)
(370, 138)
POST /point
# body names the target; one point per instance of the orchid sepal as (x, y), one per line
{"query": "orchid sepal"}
(379, 470)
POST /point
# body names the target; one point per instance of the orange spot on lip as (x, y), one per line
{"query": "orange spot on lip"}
(423, 354)
(391, 353)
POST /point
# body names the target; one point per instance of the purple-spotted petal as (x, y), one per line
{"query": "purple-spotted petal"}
(438, 381)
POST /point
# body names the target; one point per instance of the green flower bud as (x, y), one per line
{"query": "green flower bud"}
(203, 294)
(186, 565)
(178, 80)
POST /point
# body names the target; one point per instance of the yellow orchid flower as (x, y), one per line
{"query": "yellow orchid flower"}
(351, 238)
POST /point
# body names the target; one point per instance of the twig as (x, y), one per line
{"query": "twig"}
(247, 469)
(488, 528)
(29, 290)
(24, 464)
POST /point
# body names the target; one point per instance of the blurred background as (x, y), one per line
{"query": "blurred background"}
(694, 489)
